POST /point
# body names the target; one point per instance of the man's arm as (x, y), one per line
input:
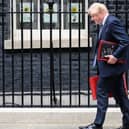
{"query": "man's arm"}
(121, 37)
(118, 33)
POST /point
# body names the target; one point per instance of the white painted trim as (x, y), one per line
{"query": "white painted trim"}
(46, 34)
(56, 110)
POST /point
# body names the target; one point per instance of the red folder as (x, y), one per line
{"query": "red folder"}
(107, 48)
(93, 85)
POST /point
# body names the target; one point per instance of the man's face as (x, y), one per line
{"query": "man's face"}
(96, 17)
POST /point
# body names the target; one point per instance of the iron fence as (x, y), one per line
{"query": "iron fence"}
(47, 75)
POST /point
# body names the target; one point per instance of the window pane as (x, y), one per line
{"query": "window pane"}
(26, 18)
(75, 14)
(46, 15)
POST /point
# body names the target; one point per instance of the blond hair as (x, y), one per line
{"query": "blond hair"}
(99, 7)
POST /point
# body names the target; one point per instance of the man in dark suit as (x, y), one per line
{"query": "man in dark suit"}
(110, 72)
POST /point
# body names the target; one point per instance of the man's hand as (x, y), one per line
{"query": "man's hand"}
(111, 59)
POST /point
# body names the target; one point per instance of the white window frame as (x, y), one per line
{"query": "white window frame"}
(46, 34)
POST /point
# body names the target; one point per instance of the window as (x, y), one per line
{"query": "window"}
(75, 13)
(46, 16)
(67, 17)
(25, 18)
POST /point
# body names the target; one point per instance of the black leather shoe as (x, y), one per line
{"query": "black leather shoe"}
(123, 127)
(91, 126)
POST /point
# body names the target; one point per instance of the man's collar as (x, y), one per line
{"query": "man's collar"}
(104, 20)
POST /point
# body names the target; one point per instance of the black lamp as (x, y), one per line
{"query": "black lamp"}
(50, 3)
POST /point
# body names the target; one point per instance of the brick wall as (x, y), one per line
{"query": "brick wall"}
(36, 71)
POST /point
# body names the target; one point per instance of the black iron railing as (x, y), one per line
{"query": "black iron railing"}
(48, 75)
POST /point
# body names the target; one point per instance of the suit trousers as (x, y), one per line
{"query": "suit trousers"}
(115, 85)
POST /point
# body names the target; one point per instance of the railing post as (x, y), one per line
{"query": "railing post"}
(52, 85)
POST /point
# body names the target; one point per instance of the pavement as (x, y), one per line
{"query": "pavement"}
(55, 118)
(44, 127)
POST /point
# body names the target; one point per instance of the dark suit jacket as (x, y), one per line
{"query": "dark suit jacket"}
(114, 31)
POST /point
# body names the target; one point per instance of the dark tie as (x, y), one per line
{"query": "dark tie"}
(95, 57)
(100, 30)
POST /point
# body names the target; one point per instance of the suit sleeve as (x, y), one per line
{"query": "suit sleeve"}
(120, 36)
